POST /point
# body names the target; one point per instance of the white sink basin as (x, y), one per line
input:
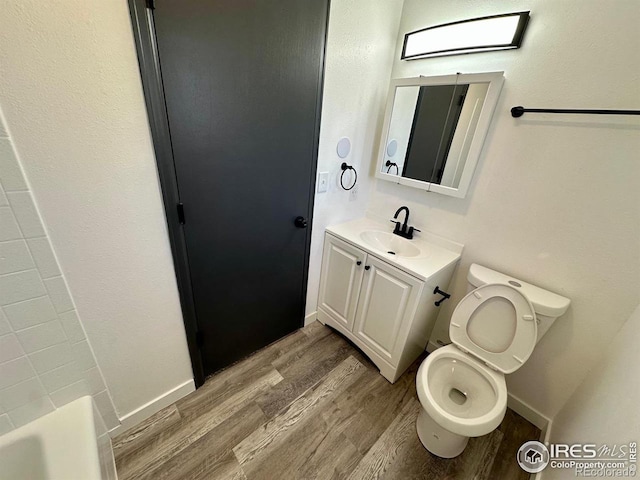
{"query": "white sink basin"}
(423, 256)
(389, 243)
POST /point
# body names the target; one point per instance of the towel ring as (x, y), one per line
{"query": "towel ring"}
(344, 168)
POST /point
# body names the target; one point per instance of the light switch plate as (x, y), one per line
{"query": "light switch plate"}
(323, 182)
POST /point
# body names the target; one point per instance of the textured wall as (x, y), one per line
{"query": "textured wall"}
(360, 44)
(71, 93)
(604, 409)
(45, 359)
(555, 199)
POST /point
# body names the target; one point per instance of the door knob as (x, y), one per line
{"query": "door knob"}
(300, 222)
(367, 267)
(358, 263)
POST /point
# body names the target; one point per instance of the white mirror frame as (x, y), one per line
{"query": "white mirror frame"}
(495, 80)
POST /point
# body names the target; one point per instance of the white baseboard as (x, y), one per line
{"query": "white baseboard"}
(528, 412)
(545, 434)
(309, 319)
(545, 437)
(145, 411)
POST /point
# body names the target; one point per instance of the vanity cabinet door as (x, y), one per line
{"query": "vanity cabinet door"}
(341, 278)
(388, 301)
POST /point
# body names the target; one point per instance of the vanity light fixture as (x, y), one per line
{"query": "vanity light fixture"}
(497, 32)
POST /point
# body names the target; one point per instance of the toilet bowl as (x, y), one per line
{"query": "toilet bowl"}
(461, 398)
(493, 330)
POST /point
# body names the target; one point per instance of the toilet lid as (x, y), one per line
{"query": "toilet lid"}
(497, 324)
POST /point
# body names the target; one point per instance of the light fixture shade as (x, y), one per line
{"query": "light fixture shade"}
(497, 32)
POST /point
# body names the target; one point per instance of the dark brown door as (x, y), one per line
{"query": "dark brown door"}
(242, 81)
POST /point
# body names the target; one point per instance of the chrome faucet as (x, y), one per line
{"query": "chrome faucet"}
(403, 230)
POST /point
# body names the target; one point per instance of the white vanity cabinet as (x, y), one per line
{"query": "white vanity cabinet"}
(340, 280)
(386, 311)
(387, 301)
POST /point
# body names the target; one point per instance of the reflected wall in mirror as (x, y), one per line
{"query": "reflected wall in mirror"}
(434, 129)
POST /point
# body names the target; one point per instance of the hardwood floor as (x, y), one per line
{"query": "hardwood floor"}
(310, 406)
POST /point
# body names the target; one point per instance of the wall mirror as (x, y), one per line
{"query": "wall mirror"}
(434, 129)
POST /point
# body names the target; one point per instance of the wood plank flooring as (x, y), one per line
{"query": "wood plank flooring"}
(310, 406)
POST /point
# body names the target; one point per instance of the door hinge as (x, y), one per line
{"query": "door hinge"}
(180, 207)
(199, 339)
(151, 4)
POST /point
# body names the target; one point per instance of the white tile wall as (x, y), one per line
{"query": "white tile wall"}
(21, 393)
(5, 424)
(51, 358)
(62, 376)
(15, 371)
(4, 324)
(59, 294)
(46, 360)
(83, 355)
(26, 214)
(42, 336)
(30, 312)
(30, 411)
(10, 348)
(14, 257)
(12, 177)
(72, 327)
(43, 255)
(17, 287)
(9, 229)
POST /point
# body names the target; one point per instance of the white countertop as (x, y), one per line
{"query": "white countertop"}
(436, 252)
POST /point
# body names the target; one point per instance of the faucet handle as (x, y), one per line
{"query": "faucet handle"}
(411, 232)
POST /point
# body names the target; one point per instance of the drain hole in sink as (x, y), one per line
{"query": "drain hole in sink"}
(392, 253)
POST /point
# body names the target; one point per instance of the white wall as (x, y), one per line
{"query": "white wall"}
(604, 408)
(555, 199)
(72, 97)
(360, 46)
(45, 359)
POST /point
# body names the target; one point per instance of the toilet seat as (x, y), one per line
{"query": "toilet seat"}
(462, 387)
(496, 324)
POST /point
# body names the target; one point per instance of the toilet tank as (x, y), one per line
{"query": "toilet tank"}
(547, 305)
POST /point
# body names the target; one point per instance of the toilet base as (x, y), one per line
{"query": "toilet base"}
(437, 440)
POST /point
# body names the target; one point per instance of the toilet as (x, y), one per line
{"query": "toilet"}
(493, 331)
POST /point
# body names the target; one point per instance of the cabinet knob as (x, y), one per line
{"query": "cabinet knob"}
(367, 267)
(358, 263)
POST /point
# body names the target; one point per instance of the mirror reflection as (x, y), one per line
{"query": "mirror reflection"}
(431, 131)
